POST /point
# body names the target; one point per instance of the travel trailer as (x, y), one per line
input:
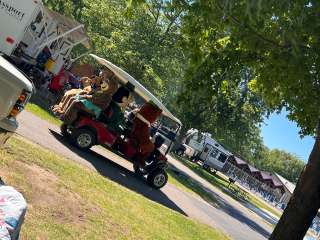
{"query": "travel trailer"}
(28, 27)
(15, 18)
(202, 147)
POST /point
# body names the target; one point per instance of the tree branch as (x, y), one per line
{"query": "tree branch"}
(235, 20)
(172, 21)
(152, 12)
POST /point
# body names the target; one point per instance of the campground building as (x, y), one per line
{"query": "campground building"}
(265, 184)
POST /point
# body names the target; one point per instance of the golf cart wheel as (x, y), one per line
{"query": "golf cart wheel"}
(157, 179)
(83, 138)
(64, 130)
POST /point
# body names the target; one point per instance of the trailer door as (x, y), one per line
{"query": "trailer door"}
(209, 152)
(215, 158)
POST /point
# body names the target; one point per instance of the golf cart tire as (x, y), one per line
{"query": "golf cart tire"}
(83, 138)
(157, 179)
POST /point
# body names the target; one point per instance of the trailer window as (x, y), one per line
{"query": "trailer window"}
(214, 153)
(222, 158)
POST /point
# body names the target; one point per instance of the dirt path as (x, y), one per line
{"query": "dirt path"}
(231, 217)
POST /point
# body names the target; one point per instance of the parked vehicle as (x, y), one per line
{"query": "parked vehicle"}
(15, 18)
(33, 36)
(201, 147)
(87, 131)
(213, 157)
(15, 92)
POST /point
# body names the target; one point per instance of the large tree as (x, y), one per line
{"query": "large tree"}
(277, 41)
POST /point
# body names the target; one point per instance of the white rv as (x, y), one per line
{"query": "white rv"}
(203, 148)
(15, 18)
(27, 27)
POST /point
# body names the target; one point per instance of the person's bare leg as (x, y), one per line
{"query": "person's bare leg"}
(72, 113)
(68, 104)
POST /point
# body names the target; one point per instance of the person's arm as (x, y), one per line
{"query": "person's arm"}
(87, 96)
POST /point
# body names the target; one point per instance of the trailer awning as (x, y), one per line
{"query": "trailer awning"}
(68, 27)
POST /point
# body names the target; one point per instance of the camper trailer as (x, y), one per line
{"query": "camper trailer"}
(201, 147)
(28, 28)
(15, 18)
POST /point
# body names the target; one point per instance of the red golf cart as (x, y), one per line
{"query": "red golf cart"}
(88, 131)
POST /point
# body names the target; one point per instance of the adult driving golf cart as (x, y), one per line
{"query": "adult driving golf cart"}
(88, 131)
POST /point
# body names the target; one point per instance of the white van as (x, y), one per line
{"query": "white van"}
(15, 17)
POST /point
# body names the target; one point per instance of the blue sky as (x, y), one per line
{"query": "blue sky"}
(279, 132)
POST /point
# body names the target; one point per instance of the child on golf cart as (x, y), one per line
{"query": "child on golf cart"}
(67, 98)
(90, 86)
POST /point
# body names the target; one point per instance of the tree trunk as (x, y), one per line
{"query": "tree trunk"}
(179, 139)
(304, 203)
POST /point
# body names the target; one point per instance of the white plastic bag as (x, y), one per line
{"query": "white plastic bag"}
(4, 234)
(12, 211)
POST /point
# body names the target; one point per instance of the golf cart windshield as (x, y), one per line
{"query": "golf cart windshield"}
(124, 77)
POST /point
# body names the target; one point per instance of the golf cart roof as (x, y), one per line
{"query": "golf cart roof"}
(124, 77)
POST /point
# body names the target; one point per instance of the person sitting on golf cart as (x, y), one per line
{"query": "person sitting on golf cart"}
(90, 86)
(67, 98)
(140, 135)
(113, 116)
(92, 104)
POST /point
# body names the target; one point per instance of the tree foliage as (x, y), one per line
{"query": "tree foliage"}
(286, 164)
(276, 40)
(143, 42)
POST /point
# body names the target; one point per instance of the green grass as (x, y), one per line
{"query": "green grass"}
(180, 181)
(42, 113)
(233, 190)
(69, 201)
(188, 185)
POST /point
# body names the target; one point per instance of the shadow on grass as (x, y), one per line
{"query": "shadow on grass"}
(119, 174)
(191, 185)
(218, 202)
